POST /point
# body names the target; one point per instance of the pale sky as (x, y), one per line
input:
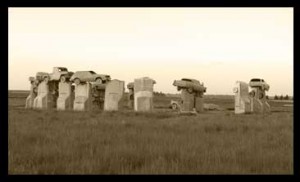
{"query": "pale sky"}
(217, 46)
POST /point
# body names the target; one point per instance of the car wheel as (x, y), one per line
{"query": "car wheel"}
(174, 106)
(63, 79)
(98, 80)
(46, 79)
(190, 90)
(77, 81)
(261, 95)
(36, 82)
(252, 94)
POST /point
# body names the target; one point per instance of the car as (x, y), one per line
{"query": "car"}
(190, 84)
(89, 76)
(257, 82)
(42, 76)
(175, 104)
(130, 85)
(31, 79)
(60, 73)
(34, 83)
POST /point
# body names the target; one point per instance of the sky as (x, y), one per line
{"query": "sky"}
(217, 46)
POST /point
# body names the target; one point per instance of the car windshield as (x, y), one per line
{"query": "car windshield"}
(255, 80)
(92, 72)
(62, 69)
(185, 79)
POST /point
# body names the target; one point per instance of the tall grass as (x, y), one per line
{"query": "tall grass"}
(52, 142)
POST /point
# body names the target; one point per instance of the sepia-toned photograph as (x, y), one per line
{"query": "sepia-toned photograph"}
(150, 90)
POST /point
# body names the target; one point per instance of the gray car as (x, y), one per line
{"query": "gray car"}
(190, 84)
(42, 76)
(89, 76)
(257, 82)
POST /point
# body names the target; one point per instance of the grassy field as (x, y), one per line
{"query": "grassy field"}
(161, 142)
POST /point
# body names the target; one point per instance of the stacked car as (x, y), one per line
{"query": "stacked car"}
(62, 74)
(257, 82)
(191, 85)
(89, 76)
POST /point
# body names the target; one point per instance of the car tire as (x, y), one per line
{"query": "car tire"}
(46, 79)
(190, 90)
(36, 82)
(174, 107)
(261, 95)
(98, 80)
(252, 94)
(63, 79)
(76, 81)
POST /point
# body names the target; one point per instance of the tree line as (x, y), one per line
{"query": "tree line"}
(281, 97)
(276, 97)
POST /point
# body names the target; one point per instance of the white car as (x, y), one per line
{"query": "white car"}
(60, 73)
(190, 84)
(41, 76)
(257, 82)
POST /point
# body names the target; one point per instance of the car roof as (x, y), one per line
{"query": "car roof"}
(189, 79)
(257, 79)
(82, 71)
(41, 72)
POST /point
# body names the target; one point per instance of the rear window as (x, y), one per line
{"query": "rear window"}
(255, 80)
(62, 69)
(92, 72)
(185, 79)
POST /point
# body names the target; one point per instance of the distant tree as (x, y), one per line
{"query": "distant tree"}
(162, 94)
(276, 97)
(159, 94)
(286, 97)
(281, 97)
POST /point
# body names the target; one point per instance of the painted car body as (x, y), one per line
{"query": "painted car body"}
(130, 85)
(58, 72)
(257, 82)
(40, 76)
(175, 104)
(89, 76)
(190, 84)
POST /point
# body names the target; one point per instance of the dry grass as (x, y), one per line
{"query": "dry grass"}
(162, 142)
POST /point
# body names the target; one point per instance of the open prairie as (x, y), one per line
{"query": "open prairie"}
(160, 142)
